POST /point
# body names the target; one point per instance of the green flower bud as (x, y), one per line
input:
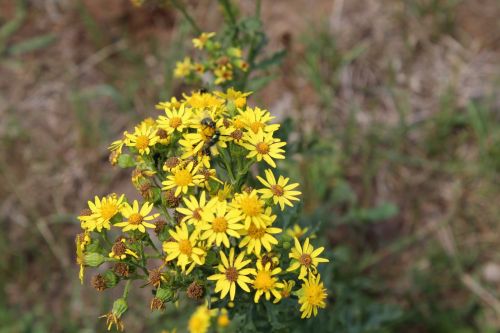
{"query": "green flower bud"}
(165, 294)
(287, 245)
(110, 278)
(93, 259)
(119, 307)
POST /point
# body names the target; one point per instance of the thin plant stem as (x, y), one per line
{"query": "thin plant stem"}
(180, 6)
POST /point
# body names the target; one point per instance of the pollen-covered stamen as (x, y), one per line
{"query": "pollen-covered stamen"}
(232, 274)
(314, 294)
(277, 190)
(219, 224)
(135, 218)
(108, 210)
(305, 260)
(142, 142)
(185, 247)
(175, 122)
(251, 206)
(263, 280)
(197, 214)
(183, 177)
(262, 148)
(256, 233)
(237, 134)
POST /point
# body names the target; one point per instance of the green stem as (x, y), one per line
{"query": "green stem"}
(178, 4)
(226, 5)
(127, 288)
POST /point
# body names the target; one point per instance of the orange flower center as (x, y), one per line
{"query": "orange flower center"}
(251, 206)
(175, 122)
(135, 218)
(185, 247)
(305, 260)
(232, 274)
(108, 210)
(183, 177)
(141, 142)
(314, 294)
(219, 224)
(262, 148)
(256, 233)
(277, 190)
(263, 280)
(255, 126)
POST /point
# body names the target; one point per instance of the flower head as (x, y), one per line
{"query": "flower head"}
(280, 191)
(258, 237)
(182, 178)
(202, 40)
(143, 138)
(232, 272)
(222, 221)
(184, 248)
(194, 209)
(252, 208)
(263, 146)
(183, 68)
(101, 212)
(305, 257)
(265, 283)
(200, 320)
(175, 119)
(312, 296)
(137, 218)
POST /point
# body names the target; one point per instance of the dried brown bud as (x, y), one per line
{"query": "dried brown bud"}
(86, 212)
(172, 200)
(195, 291)
(237, 134)
(154, 278)
(98, 282)
(157, 304)
(121, 269)
(162, 134)
(172, 162)
(159, 225)
(145, 190)
(178, 217)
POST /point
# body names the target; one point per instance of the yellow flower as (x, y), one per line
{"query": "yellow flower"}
(258, 237)
(232, 272)
(221, 221)
(252, 208)
(202, 101)
(136, 218)
(172, 104)
(257, 119)
(265, 283)
(297, 231)
(280, 191)
(263, 146)
(312, 296)
(175, 119)
(119, 250)
(238, 98)
(102, 211)
(182, 178)
(305, 257)
(82, 240)
(184, 248)
(234, 52)
(202, 40)
(223, 74)
(200, 320)
(183, 68)
(287, 288)
(194, 209)
(143, 138)
(223, 319)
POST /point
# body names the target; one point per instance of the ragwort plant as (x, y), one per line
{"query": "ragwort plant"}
(209, 226)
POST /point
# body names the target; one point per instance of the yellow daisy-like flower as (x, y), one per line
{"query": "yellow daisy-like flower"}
(102, 211)
(312, 296)
(257, 237)
(184, 248)
(193, 212)
(223, 74)
(199, 322)
(265, 283)
(175, 119)
(305, 257)
(238, 98)
(202, 40)
(297, 231)
(172, 104)
(287, 288)
(281, 192)
(119, 250)
(252, 208)
(232, 272)
(221, 221)
(137, 218)
(182, 178)
(183, 68)
(257, 119)
(263, 146)
(223, 319)
(143, 138)
(82, 240)
(203, 101)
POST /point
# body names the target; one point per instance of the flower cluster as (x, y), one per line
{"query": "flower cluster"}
(209, 223)
(220, 63)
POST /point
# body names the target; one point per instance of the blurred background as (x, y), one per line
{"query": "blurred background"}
(392, 111)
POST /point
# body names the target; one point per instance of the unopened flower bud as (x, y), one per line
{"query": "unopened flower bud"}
(165, 294)
(93, 259)
(119, 307)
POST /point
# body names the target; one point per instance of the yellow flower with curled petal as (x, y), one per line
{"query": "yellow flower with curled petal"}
(258, 237)
(223, 74)
(238, 98)
(194, 209)
(280, 191)
(184, 247)
(182, 178)
(101, 212)
(287, 288)
(305, 257)
(263, 146)
(202, 101)
(183, 68)
(172, 104)
(232, 272)
(202, 39)
(175, 119)
(137, 218)
(298, 231)
(222, 221)
(251, 207)
(257, 119)
(312, 296)
(265, 283)
(143, 138)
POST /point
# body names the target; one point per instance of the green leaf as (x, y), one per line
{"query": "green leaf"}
(31, 44)
(126, 161)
